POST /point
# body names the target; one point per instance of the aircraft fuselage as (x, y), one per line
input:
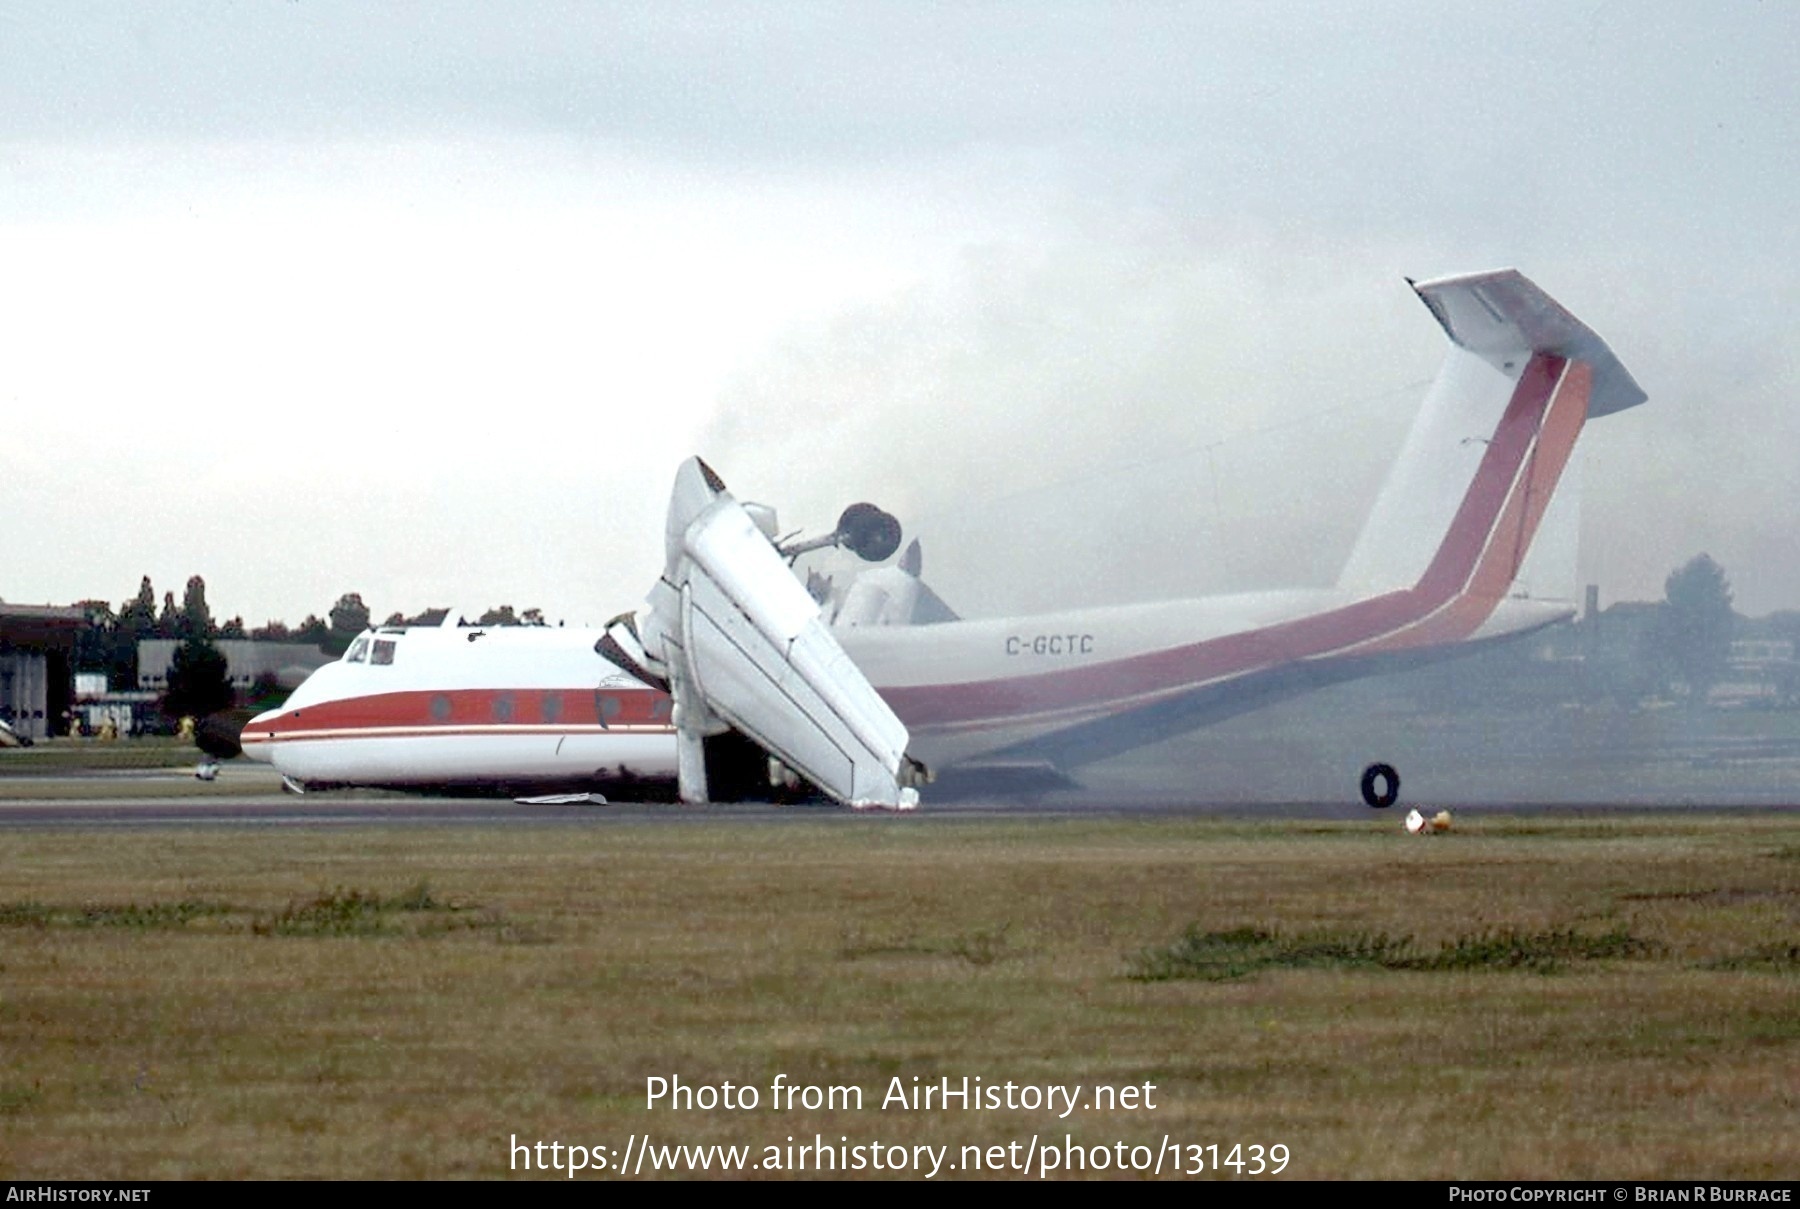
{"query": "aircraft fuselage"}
(524, 706)
(1444, 561)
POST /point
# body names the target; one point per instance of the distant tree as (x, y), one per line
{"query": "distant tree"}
(196, 619)
(349, 617)
(395, 618)
(1697, 625)
(94, 641)
(312, 631)
(429, 617)
(272, 631)
(532, 617)
(199, 680)
(500, 616)
(168, 623)
(136, 622)
(139, 613)
(233, 629)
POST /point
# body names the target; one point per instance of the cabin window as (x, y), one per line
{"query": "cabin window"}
(383, 652)
(359, 650)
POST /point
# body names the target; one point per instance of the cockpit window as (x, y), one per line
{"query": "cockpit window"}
(384, 651)
(359, 650)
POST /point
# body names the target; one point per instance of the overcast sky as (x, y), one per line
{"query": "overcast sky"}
(428, 301)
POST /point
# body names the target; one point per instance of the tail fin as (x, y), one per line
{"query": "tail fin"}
(1478, 471)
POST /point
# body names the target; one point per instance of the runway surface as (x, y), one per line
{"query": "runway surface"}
(168, 799)
(350, 809)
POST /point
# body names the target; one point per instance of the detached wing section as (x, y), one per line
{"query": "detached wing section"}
(743, 648)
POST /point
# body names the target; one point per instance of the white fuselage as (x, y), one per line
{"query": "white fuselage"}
(536, 705)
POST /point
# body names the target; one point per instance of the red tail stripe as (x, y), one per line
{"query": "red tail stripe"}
(1513, 531)
(1449, 572)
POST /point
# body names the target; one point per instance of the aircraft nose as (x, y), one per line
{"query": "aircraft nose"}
(253, 738)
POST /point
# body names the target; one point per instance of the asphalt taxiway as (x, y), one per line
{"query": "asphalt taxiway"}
(158, 800)
(349, 808)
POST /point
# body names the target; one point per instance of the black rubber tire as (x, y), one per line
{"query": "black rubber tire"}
(1391, 788)
(869, 532)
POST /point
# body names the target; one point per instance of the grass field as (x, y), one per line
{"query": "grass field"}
(96, 755)
(1607, 997)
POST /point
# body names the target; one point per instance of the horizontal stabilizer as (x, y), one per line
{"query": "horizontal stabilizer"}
(1502, 316)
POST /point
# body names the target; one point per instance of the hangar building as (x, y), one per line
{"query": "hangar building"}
(37, 649)
(245, 660)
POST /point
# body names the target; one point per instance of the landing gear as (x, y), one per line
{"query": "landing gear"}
(207, 770)
(1380, 785)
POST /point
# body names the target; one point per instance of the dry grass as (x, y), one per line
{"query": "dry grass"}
(399, 1002)
(90, 755)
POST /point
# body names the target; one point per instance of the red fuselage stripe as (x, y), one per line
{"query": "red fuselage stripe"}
(472, 711)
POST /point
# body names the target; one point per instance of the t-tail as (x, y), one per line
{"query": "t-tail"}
(1470, 539)
(1477, 519)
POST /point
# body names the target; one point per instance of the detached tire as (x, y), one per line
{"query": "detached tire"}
(1389, 781)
